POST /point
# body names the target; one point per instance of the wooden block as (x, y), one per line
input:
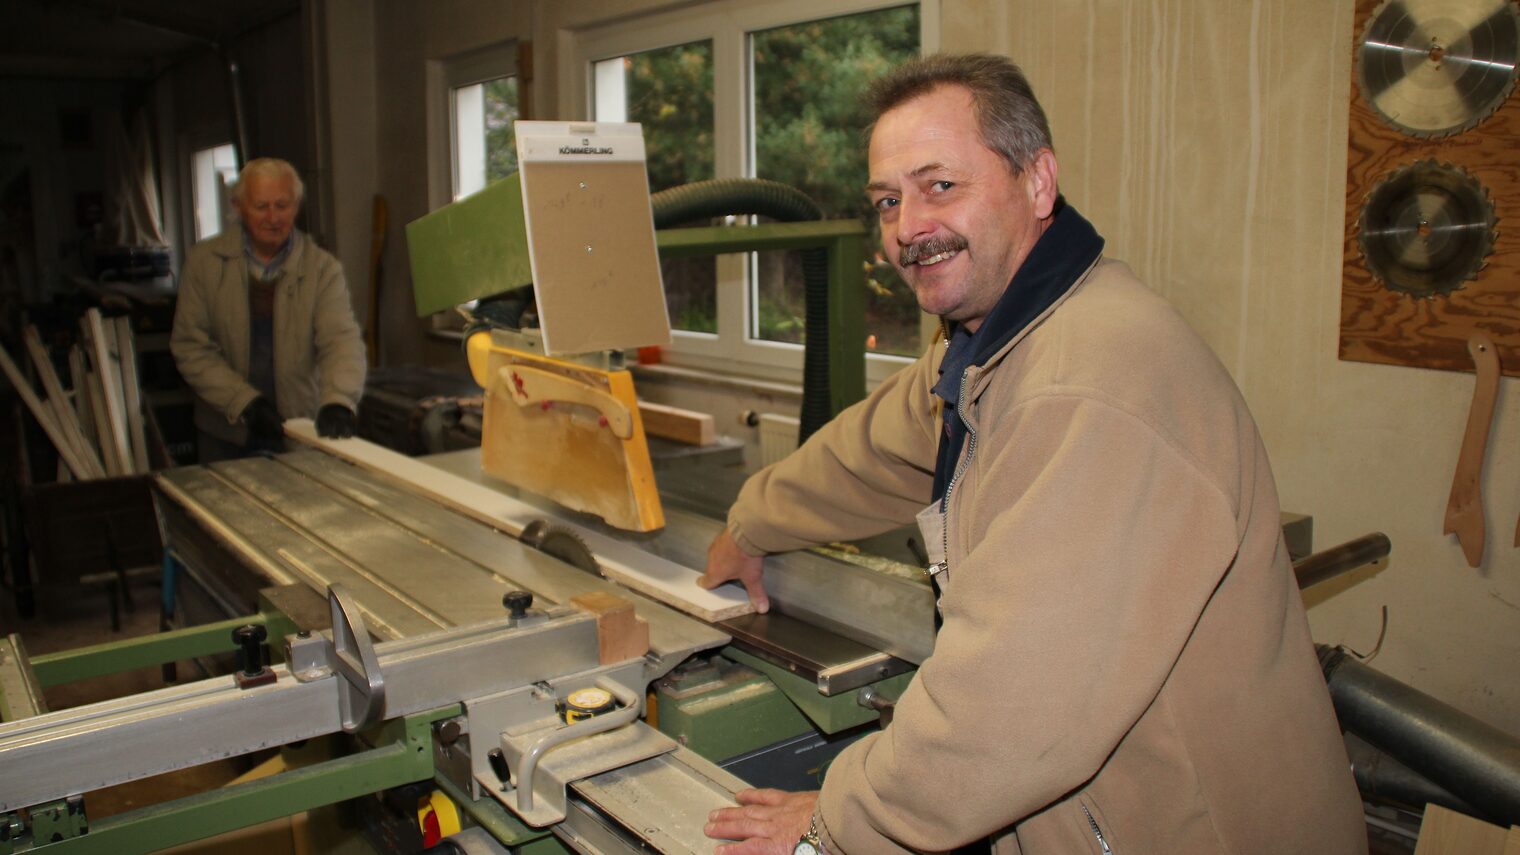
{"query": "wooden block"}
(1446, 832)
(621, 634)
(674, 423)
(1512, 841)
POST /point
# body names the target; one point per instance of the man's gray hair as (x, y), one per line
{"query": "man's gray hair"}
(269, 167)
(1011, 120)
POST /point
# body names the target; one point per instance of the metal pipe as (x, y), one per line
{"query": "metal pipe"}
(1472, 760)
(1332, 562)
(1378, 774)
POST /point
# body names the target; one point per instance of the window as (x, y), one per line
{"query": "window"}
(213, 171)
(472, 103)
(779, 81)
(670, 92)
(485, 150)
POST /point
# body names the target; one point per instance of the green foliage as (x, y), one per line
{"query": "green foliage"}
(501, 111)
(670, 92)
(810, 122)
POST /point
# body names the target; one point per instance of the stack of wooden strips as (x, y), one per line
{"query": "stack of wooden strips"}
(97, 424)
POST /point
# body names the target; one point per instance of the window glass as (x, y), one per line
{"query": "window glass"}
(485, 150)
(809, 119)
(213, 172)
(669, 91)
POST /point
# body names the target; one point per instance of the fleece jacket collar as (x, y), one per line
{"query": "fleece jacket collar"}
(1059, 259)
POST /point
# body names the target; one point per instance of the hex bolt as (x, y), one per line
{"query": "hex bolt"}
(517, 603)
(250, 638)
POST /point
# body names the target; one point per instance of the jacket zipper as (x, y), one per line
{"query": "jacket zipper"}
(1097, 832)
(960, 469)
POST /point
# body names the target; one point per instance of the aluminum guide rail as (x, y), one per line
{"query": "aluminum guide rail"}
(54, 755)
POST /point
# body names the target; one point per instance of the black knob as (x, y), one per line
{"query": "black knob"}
(250, 639)
(517, 602)
(498, 763)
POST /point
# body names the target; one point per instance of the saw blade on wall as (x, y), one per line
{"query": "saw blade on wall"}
(1431, 68)
(1427, 228)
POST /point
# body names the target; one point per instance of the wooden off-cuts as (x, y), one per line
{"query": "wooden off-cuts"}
(1464, 508)
(97, 424)
(1432, 226)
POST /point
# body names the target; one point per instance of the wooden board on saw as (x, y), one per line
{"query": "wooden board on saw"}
(624, 563)
(1396, 328)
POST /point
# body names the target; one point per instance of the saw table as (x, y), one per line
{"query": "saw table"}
(415, 558)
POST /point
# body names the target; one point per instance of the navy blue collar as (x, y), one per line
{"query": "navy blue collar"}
(1059, 258)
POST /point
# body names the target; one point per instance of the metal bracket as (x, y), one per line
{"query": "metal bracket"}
(361, 695)
(541, 755)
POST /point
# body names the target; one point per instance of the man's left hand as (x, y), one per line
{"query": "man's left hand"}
(335, 421)
(767, 822)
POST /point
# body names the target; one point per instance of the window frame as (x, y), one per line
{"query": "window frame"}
(443, 77)
(728, 24)
(225, 218)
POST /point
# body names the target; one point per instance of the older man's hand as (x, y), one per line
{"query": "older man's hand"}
(726, 562)
(766, 822)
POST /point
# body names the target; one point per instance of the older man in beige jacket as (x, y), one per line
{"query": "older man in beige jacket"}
(264, 329)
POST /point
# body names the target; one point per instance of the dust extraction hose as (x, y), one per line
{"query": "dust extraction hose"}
(723, 197)
(1472, 760)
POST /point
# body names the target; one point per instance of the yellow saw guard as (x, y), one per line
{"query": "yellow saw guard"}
(565, 431)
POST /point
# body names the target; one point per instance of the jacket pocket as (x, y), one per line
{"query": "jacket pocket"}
(1098, 828)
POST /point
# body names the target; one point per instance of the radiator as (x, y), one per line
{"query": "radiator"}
(778, 437)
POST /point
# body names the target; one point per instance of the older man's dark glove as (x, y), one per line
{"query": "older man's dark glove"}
(335, 421)
(266, 428)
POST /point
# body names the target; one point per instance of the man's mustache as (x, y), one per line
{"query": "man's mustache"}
(929, 248)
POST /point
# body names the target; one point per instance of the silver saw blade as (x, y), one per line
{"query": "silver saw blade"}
(1432, 68)
(1427, 228)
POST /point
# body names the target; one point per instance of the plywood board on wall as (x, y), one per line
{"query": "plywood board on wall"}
(1395, 328)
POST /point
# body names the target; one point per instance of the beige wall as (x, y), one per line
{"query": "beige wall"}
(1207, 140)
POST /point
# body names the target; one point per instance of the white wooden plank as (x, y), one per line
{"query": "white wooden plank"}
(43, 415)
(108, 373)
(63, 414)
(103, 425)
(649, 574)
(79, 377)
(126, 345)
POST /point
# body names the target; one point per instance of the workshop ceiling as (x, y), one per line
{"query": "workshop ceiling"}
(122, 38)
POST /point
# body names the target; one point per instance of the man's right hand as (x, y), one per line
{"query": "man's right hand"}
(266, 428)
(726, 562)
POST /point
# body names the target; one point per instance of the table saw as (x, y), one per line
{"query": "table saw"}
(382, 580)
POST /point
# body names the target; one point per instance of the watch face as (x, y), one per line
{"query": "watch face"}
(805, 847)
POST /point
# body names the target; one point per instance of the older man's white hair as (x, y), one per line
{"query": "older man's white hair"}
(269, 167)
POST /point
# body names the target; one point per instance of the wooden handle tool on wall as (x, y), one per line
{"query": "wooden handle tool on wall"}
(1464, 510)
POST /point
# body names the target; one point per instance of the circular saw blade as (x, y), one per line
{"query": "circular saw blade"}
(1427, 228)
(561, 543)
(1431, 68)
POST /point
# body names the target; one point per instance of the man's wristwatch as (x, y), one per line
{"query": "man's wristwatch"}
(809, 844)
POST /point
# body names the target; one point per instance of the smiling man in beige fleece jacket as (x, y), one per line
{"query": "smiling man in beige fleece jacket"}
(1124, 664)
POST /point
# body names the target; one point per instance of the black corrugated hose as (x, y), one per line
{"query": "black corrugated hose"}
(723, 197)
